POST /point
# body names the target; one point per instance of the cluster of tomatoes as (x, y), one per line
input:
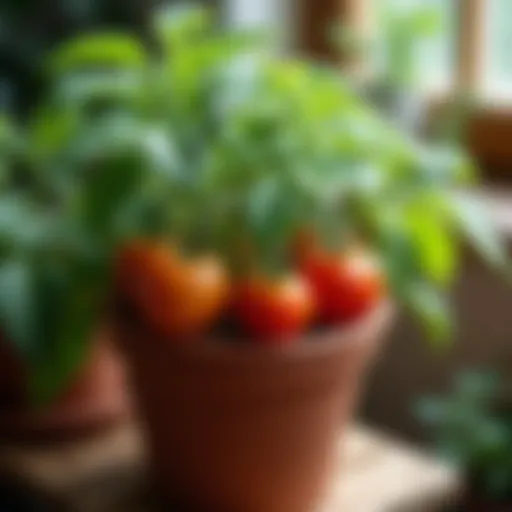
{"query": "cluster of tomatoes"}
(182, 297)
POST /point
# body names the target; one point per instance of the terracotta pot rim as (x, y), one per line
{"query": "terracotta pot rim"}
(321, 344)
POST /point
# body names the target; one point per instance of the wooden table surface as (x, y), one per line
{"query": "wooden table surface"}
(107, 475)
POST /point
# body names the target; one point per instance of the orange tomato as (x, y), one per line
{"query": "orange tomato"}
(178, 297)
(274, 311)
(346, 286)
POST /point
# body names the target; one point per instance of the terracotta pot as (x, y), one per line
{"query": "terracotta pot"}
(241, 428)
(96, 399)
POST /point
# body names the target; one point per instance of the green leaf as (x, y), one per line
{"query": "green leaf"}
(75, 324)
(17, 315)
(498, 481)
(115, 135)
(390, 233)
(432, 309)
(97, 51)
(271, 221)
(51, 129)
(425, 22)
(262, 203)
(406, 274)
(113, 87)
(9, 136)
(113, 185)
(23, 226)
(434, 243)
(131, 174)
(473, 220)
(12, 147)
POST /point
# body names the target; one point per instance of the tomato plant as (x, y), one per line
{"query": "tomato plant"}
(225, 159)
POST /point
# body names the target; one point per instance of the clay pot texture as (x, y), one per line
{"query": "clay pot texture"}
(95, 400)
(237, 427)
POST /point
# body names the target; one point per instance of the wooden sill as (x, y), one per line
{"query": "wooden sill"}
(108, 473)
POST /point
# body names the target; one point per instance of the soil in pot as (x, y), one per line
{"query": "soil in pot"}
(95, 400)
(232, 427)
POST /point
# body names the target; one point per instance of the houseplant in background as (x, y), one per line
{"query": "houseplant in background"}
(31, 29)
(54, 381)
(264, 234)
(61, 206)
(473, 429)
(59, 377)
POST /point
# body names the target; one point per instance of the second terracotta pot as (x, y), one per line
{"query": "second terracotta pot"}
(232, 427)
(95, 399)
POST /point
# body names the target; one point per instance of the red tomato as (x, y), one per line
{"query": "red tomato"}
(176, 296)
(346, 286)
(275, 311)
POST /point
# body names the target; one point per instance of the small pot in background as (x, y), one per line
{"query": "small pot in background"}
(96, 399)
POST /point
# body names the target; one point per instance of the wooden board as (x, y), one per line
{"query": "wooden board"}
(107, 475)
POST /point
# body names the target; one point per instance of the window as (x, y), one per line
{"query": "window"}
(471, 52)
(497, 83)
(276, 16)
(471, 47)
(434, 48)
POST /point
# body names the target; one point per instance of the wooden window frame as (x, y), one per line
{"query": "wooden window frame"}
(490, 128)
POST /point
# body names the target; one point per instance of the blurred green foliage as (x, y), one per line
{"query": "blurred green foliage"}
(29, 29)
(219, 145)
(473, 428)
